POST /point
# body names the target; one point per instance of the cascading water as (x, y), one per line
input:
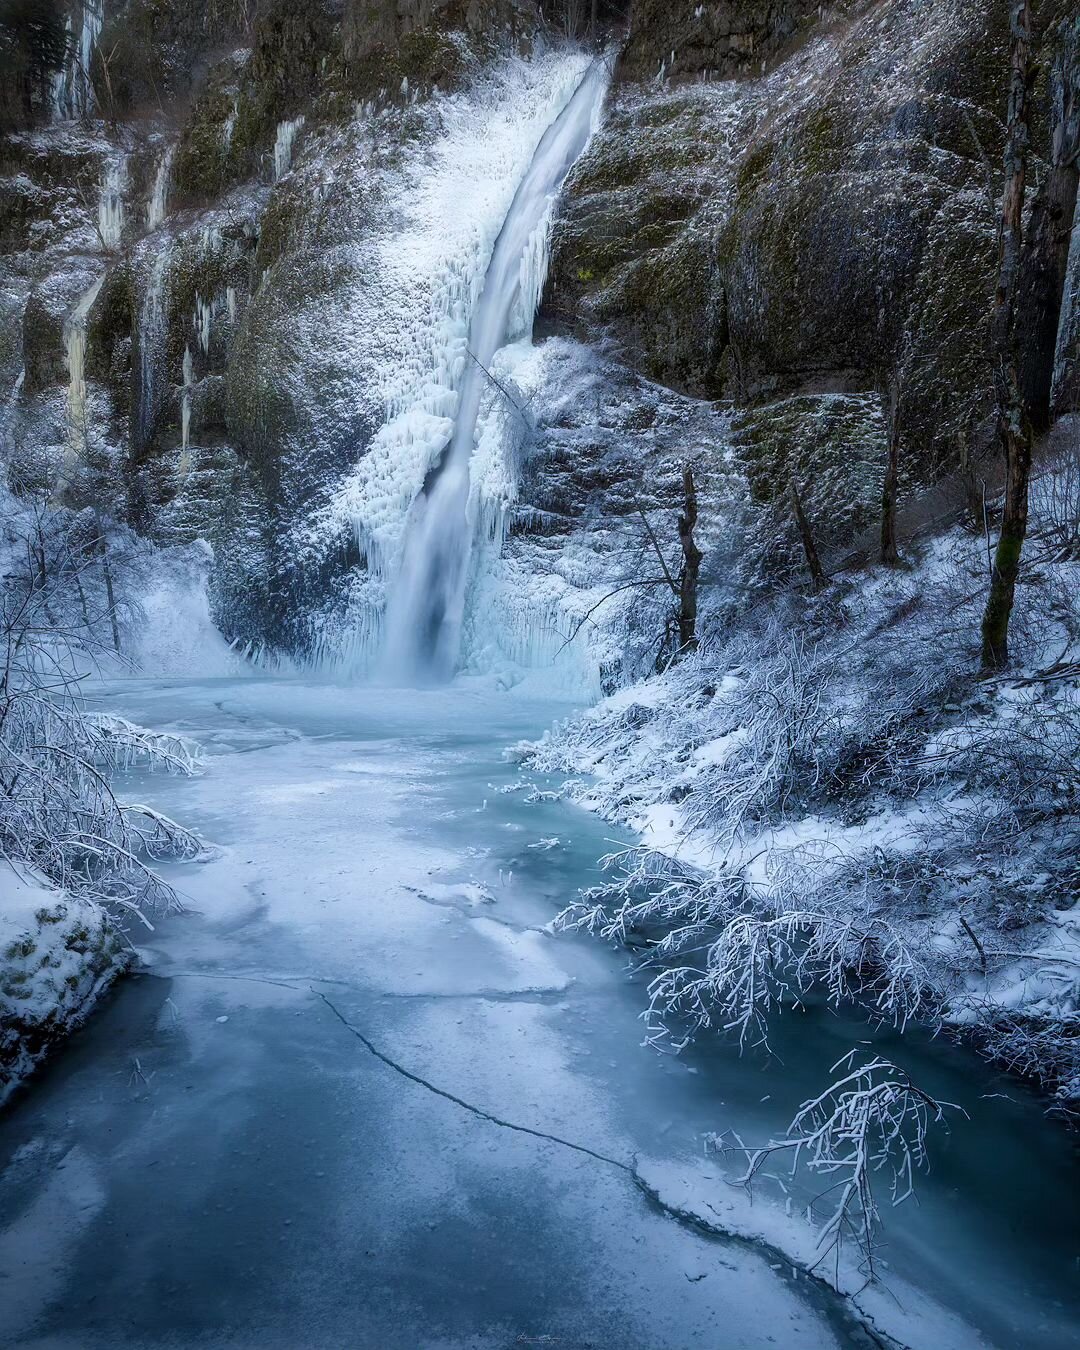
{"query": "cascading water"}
(427, 603)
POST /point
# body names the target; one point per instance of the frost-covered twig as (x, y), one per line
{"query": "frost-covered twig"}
(872, 1119)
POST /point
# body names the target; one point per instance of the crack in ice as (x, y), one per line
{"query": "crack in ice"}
(686, 1218)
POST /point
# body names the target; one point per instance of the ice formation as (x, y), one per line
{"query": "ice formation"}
(75, 343)
(185, 409)
(283, 145)
(73, 90)
(158, 205)
(111, 206)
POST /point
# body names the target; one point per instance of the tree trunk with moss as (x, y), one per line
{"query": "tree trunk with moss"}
(806, 534)
(1013, 428)
(890, 554)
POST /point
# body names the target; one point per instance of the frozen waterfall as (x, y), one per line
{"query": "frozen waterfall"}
(427, 602)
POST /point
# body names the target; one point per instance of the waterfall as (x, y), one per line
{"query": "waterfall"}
(426, 605)
(111, 206)
(158, 205)
(73, 91)
(283, 146)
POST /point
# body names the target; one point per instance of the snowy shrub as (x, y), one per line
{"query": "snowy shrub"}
(831, 800)
(59, 814)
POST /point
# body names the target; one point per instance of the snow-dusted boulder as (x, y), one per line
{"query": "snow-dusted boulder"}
(57, 956)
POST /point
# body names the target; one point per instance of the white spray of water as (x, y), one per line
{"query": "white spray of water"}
(158, 206)
(427, 604)
(283, 145)
(73, 91)
(111, 206)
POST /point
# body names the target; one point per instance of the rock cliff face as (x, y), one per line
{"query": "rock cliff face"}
(789, 210)
(826, 223)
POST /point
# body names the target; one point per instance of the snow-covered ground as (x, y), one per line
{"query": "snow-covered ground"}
(364, 1096)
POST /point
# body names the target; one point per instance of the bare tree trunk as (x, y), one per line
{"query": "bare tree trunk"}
(692, 558)
(1046, 257)
(890, 554)
(973, 497)
(817, 572)
(110, 597)
(1013, 429)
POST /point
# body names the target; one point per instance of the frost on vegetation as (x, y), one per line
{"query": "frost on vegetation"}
(831, 801)
(871, 1120)
(65, 834)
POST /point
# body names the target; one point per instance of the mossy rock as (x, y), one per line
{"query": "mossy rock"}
(831, 447)
(110, 324)
(205, 163)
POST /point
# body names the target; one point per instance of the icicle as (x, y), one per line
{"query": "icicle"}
(204, 313)
(111, 206)
(158, 205)
(73, 91)
(185, 413)
(229, 126)
(75, 344)
(283, 145)
(230, 301)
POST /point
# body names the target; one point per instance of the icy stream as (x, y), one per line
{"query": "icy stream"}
(218, 1160)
